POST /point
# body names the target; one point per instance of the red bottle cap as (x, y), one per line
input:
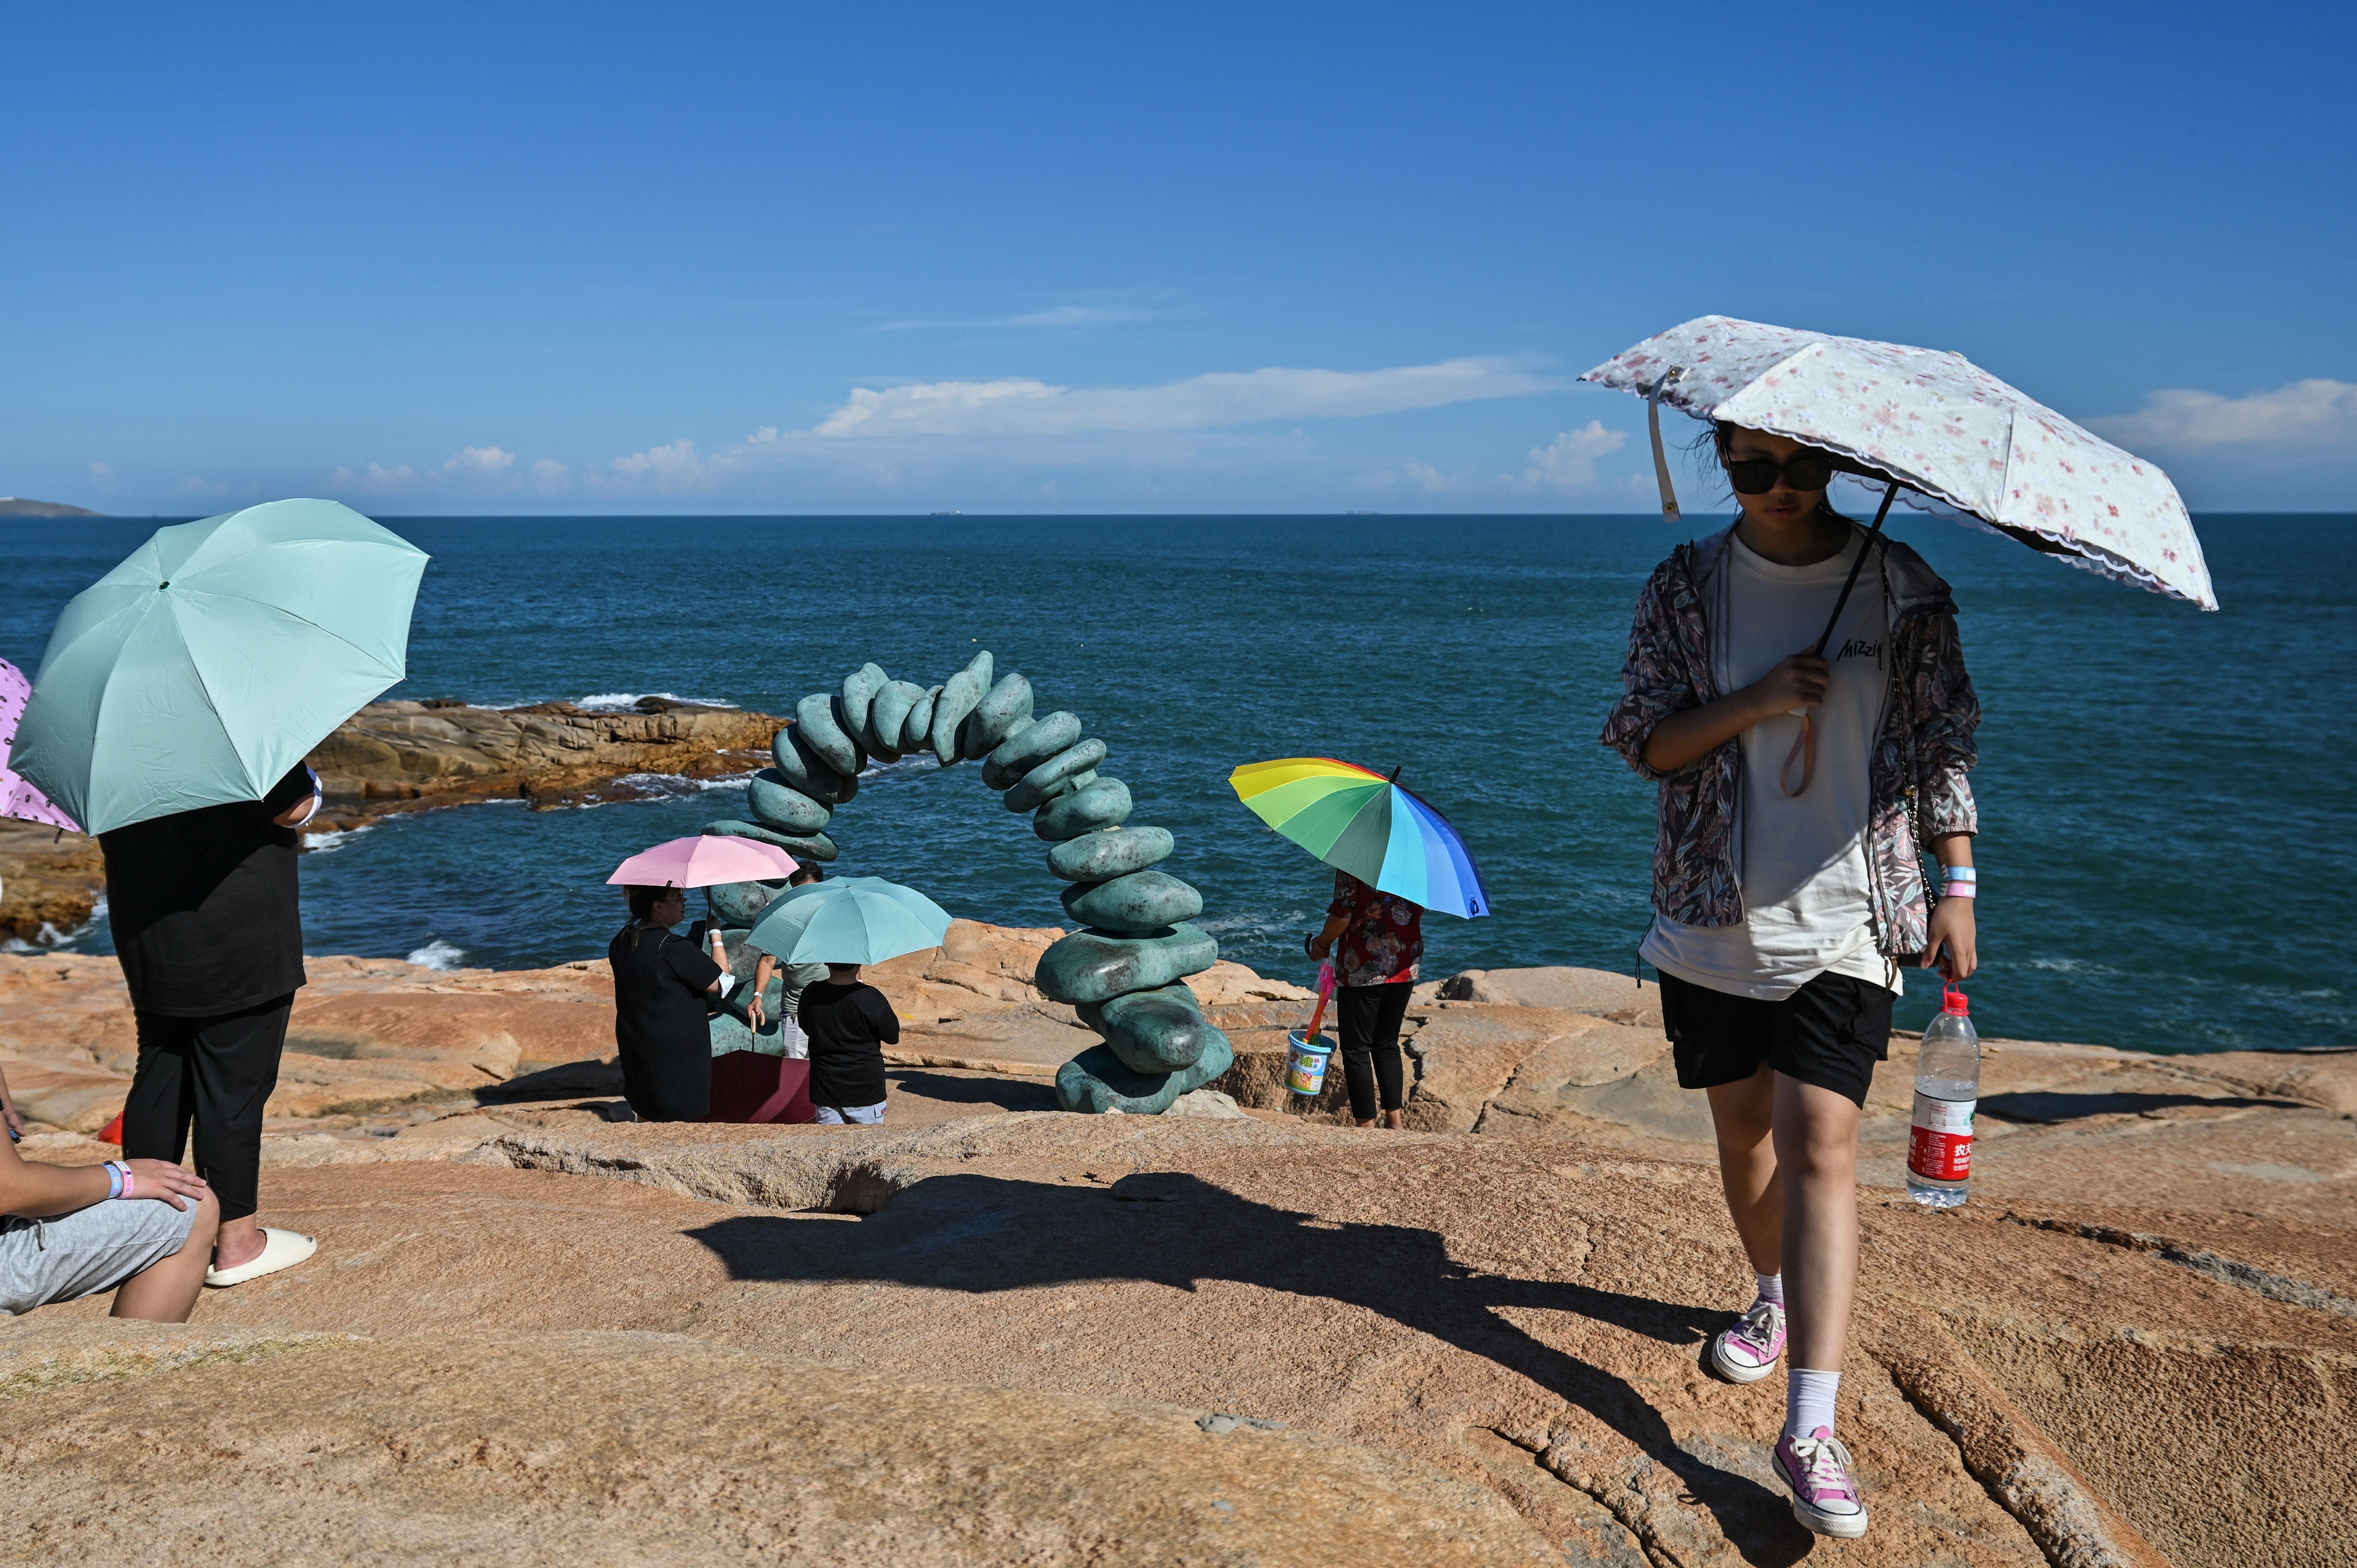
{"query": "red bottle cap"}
(1957, 1002)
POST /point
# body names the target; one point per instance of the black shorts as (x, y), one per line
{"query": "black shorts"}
(1830, 1033)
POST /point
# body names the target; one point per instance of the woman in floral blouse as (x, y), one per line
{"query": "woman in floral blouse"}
(1382, 937)
(1799, 783)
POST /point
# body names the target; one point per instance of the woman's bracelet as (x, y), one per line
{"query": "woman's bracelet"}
(120, 1183)
(1960, 874)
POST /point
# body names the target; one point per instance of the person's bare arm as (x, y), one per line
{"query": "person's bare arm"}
(1953, 942)
(761, 973)
(1687, 738)
(302, 810)
(36, 1191)
(1323, 943)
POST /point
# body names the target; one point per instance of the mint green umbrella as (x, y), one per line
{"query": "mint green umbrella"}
(201, 669)
(854, 919)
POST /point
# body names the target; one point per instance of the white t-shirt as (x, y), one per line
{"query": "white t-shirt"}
(1802, 859)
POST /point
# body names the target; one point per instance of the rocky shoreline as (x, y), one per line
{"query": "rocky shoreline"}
(421, 755)
(1069, 1338)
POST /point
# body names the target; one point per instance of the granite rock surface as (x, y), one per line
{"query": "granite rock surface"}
(2137, 1344)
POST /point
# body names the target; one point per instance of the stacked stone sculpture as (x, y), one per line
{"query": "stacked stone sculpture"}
(1125, 972)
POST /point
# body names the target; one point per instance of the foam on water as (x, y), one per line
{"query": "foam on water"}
(623, 701)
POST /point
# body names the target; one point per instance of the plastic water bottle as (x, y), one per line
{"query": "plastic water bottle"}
(1947, 1086)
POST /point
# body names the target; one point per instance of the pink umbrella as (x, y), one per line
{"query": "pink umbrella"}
(702, 861)
(17, 797)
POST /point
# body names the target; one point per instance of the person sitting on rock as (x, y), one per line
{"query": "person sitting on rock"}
(663, 987)
(800, 977)
(849, 1024)
(142, 1228)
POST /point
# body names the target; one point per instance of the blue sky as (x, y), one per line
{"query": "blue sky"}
(1139, 258)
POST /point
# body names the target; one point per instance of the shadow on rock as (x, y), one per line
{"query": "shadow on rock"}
(2045, 1106)
(1007, 1093)
(983, 1234)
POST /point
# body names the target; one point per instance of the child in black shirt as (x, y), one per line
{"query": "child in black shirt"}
(849, 1024)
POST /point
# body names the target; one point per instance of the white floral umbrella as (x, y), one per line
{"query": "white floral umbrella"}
(1962, 442)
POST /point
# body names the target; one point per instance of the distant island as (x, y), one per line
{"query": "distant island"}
(19, 506)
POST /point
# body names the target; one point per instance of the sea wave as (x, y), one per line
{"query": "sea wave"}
(623, 701)
(328, 842)
(51, 940)
(437, 954)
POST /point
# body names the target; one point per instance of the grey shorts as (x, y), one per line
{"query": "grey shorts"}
(91, 1249)
(850, 1115)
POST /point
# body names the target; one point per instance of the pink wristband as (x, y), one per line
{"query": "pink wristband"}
(130, 1182)
(1961, 890)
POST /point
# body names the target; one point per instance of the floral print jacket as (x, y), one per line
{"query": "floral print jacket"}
(1385, 939)
(1916, 775)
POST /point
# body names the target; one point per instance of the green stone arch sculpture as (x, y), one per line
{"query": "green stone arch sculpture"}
(1124, 971)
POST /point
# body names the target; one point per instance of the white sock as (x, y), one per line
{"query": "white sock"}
(1772, 1288)
(1809, 1401)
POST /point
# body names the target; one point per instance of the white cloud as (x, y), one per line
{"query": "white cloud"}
(101, 471)
(2315, 415)
(1568, 462)
(471, 469)
(671, 466)
(1424, 474)
(376, 479)
(1024, 407)
(1060, 315)
(483, 461)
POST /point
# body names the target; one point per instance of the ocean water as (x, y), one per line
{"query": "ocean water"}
(2166, 795)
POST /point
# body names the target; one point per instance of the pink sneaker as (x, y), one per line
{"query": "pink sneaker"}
(1825, 1499)
(1750, 1351)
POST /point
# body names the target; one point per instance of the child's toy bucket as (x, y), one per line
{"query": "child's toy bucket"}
(1306, 1072)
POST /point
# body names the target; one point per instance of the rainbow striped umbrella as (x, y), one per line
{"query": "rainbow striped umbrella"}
(1355, 819)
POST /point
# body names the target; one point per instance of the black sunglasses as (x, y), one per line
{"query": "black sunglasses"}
(1802, 471)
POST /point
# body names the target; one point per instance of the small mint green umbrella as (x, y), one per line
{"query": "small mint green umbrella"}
(856, 920)
(201, 669)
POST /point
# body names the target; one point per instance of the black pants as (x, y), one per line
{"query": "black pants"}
(216, 1071)
(1371, 1052)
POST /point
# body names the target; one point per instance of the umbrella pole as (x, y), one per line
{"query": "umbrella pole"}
(1804, 745)
(1843, 603)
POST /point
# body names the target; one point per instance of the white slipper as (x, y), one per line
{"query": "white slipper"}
(280, 1250)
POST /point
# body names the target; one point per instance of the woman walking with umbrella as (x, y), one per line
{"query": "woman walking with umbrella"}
(1796, 688)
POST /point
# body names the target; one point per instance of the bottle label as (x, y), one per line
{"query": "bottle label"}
(1939, 1145)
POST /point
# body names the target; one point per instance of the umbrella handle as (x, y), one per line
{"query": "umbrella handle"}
(1660, 459)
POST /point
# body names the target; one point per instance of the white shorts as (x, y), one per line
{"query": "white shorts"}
(91, 1249)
